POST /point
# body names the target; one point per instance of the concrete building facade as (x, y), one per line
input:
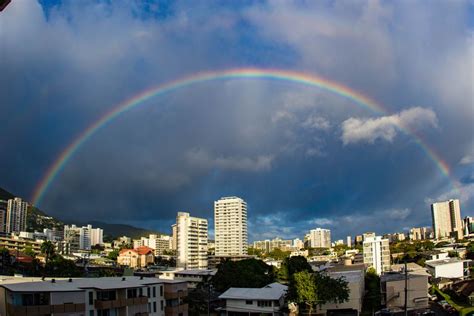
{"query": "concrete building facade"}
(447, 221)
(376, 252)
(319, 238)
(191, 241)
(92, 297)
(16, 215)
(230, 226)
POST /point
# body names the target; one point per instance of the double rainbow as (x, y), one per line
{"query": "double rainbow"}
(246, 73)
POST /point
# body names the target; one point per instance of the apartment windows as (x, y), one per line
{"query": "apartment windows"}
(154, 307)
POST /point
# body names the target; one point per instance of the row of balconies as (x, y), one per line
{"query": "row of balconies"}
(121, 302)
(37, 310)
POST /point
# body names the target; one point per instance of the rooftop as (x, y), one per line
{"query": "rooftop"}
(196, 272)
(273, 291)
(19, 284)
(440, 262)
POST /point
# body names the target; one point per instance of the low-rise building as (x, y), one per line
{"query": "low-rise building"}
(392, 286)
(136, 258)
(268, 300)
(354, 276)
(193, 277)
(453, 268)
(20, 244)
(92, 296)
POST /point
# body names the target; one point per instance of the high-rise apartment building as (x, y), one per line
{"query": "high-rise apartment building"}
(376, 253)
(319, 238)
(16, 215)
(82, 238)
(191, 241)
(420, 233)
(3, 216)
(468, 225)
(447, 220)
(349, 241)
(230, 226)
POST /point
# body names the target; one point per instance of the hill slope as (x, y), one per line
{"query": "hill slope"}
(37, 220)
(5, 195)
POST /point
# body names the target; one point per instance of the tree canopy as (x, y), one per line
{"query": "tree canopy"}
(251, 273)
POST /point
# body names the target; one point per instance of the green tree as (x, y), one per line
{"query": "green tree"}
(298, 264)
(113, 254)
(250, 273)
(302, 289)
(48, 249)
(290, 266)
(29, 251)
(372, 297)
(331, 290)
(278, 254)
(255, 252)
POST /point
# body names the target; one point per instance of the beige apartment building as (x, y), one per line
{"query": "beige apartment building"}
(376, 253)
(319, 238)
(16, 215)
(191, 241)
(136, 258)
(447, 220)
(121, 296)
(230, 226)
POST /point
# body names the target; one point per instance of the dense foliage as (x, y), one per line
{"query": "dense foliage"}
(251, 273)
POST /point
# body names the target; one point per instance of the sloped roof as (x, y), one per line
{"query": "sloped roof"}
(143, 250)
(273, 291)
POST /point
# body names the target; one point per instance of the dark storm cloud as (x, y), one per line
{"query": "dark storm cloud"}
(301, 157)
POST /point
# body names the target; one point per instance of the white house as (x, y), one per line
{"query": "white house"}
(268, 300)
(448, 268)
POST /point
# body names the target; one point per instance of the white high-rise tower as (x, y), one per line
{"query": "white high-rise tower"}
(230, 226)
(191, 241)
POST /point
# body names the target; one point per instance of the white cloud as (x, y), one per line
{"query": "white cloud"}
(369, 130)
(316, 122)
(468, 158)
(201, 158)
(322, 221)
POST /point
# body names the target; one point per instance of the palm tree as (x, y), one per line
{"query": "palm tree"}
(48, 249)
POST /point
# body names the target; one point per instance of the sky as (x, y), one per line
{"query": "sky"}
(302, 157)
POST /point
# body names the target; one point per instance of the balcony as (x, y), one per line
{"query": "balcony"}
(38, 310)
(176, 310)
(121, 302)
(177, 294)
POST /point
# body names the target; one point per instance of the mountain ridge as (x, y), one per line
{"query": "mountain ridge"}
(37, 220)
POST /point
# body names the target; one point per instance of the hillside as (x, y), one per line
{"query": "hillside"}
(5, 195)
(118, 230)
(37, 220)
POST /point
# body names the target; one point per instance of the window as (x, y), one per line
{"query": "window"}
(148, 292)
(154, 291)
(91, 313)
(264, 303)
(154, 307)
(161, 290)
(91, 298)
(162, 304)
(132, 293)
(249, 302)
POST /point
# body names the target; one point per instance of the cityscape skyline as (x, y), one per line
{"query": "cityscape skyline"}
(316, 115)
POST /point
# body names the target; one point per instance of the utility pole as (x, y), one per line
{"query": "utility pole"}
(406, 288)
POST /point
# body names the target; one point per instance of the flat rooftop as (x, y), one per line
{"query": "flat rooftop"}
(20, 284)
(440, 262)
(271, 292)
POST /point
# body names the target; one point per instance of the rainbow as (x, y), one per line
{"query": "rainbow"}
(246, 73)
